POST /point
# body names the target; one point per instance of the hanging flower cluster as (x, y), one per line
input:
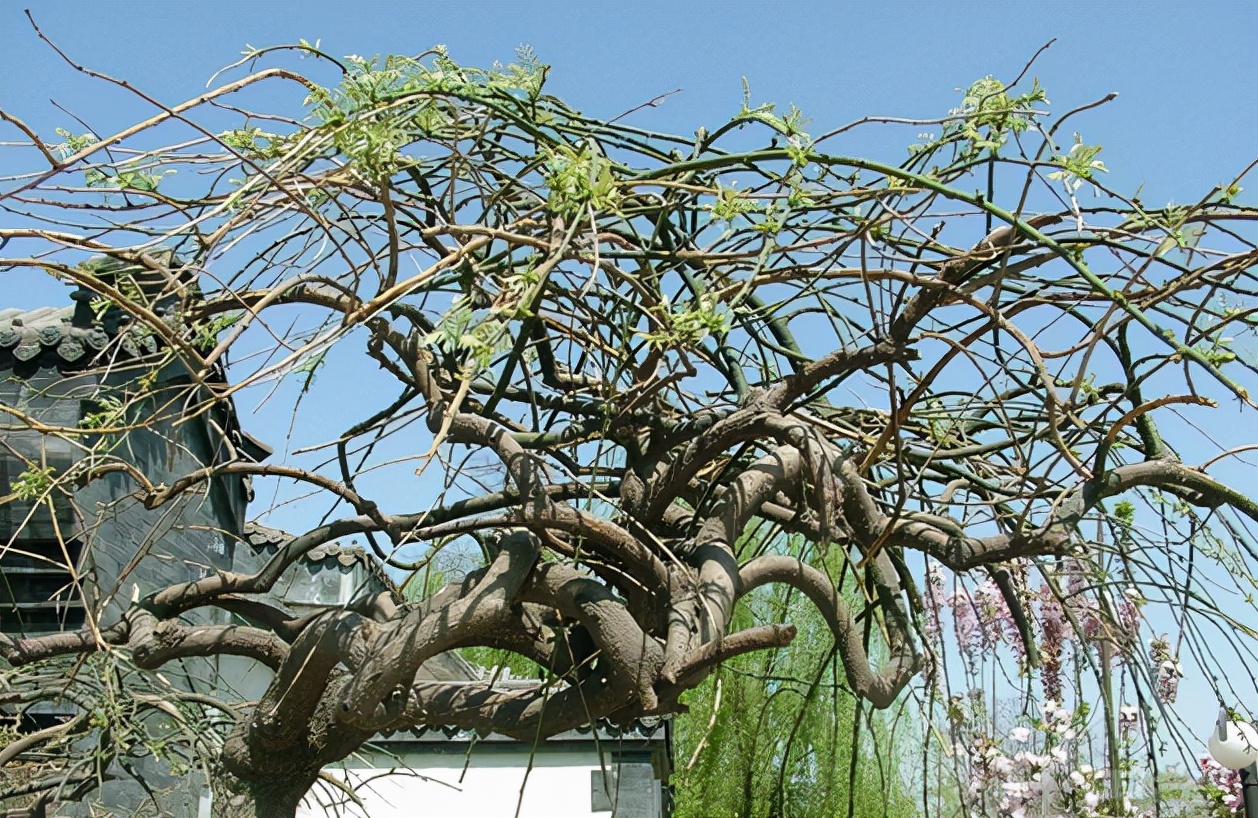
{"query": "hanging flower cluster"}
(1169, 671)
(1075, 621)
(1221, 787)
(1066, 613)
(1035, 772)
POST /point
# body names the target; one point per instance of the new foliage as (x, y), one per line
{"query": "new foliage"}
(629, 363)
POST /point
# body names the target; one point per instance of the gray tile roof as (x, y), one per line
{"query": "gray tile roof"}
(444, 667)
(70, 338)
(74, 336)
(47, 335)
(267, 539)
(646, 728)
(51, 338)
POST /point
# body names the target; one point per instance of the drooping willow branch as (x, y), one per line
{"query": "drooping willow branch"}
(646, 384)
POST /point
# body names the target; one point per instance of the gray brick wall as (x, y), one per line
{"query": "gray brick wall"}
(125, 548)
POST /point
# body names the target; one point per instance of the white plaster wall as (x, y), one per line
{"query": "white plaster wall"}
(558, 786)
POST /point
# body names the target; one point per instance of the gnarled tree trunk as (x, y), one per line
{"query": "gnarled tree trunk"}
(275, 796)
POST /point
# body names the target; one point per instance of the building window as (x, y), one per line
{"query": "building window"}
(39, 555)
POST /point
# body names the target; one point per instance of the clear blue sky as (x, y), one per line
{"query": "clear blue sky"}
(1186, 117)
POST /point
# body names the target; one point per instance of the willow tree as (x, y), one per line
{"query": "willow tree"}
(629, 364)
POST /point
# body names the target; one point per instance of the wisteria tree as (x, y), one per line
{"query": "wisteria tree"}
(650, 375)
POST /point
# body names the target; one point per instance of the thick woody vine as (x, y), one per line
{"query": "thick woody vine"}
(668, 354)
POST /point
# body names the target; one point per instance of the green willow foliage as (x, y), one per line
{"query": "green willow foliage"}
(672, 384)
(784, 736)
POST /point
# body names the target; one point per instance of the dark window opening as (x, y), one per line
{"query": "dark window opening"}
(27, 520)
(40, 552)
(37, 590)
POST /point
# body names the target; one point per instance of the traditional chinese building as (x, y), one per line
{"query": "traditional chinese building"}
(77, 552)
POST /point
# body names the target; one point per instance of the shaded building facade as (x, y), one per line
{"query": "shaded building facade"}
(74, 552)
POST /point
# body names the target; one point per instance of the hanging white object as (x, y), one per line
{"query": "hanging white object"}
(1234, 744)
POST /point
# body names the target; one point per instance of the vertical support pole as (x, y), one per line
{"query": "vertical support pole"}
(1249, 790)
